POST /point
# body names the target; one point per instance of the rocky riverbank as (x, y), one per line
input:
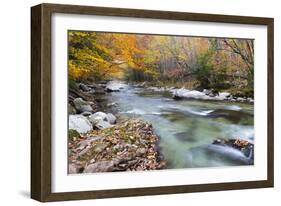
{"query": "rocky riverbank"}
(128, 146)
(98, 142)
(205, 94)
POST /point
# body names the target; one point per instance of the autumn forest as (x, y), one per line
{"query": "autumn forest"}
(190, 61)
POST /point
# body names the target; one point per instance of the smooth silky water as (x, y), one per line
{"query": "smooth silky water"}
(187, 128)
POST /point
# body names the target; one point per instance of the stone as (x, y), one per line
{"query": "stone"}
(110, 118)
(102, 166)
(103, 125)
(190, 94)
(79, 123)
(140, 151)
(84, 87)
(240, 99)
(115, 86)
(96, 117)
(99, 147)
(72, 169)
(82, 106)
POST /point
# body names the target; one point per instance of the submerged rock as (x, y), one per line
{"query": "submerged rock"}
(235, 116)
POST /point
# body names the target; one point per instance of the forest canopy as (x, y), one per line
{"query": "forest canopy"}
(196, 62)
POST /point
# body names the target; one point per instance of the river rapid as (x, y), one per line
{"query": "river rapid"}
(187, 128)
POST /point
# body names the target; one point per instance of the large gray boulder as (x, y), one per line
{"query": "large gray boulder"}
(103, 125)
(96, 117)
(82, 106)
(110, 118)
(79, 123)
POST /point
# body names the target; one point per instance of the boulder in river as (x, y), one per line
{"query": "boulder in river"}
(190, 94)
(79, 123)
(243, 145)
(115, 86)
(82, 106)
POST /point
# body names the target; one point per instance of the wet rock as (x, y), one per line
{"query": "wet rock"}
(82, 106)
(79, 123)
(246, 147)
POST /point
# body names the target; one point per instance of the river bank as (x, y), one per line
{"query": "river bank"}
(180, 93)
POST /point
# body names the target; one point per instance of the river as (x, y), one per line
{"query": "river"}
(187, 128)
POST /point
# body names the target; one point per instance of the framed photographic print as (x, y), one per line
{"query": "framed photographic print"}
(132, 102)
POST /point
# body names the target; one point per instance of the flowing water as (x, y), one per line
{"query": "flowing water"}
(187, 128)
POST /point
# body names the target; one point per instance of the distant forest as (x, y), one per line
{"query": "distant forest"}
(192, 62)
